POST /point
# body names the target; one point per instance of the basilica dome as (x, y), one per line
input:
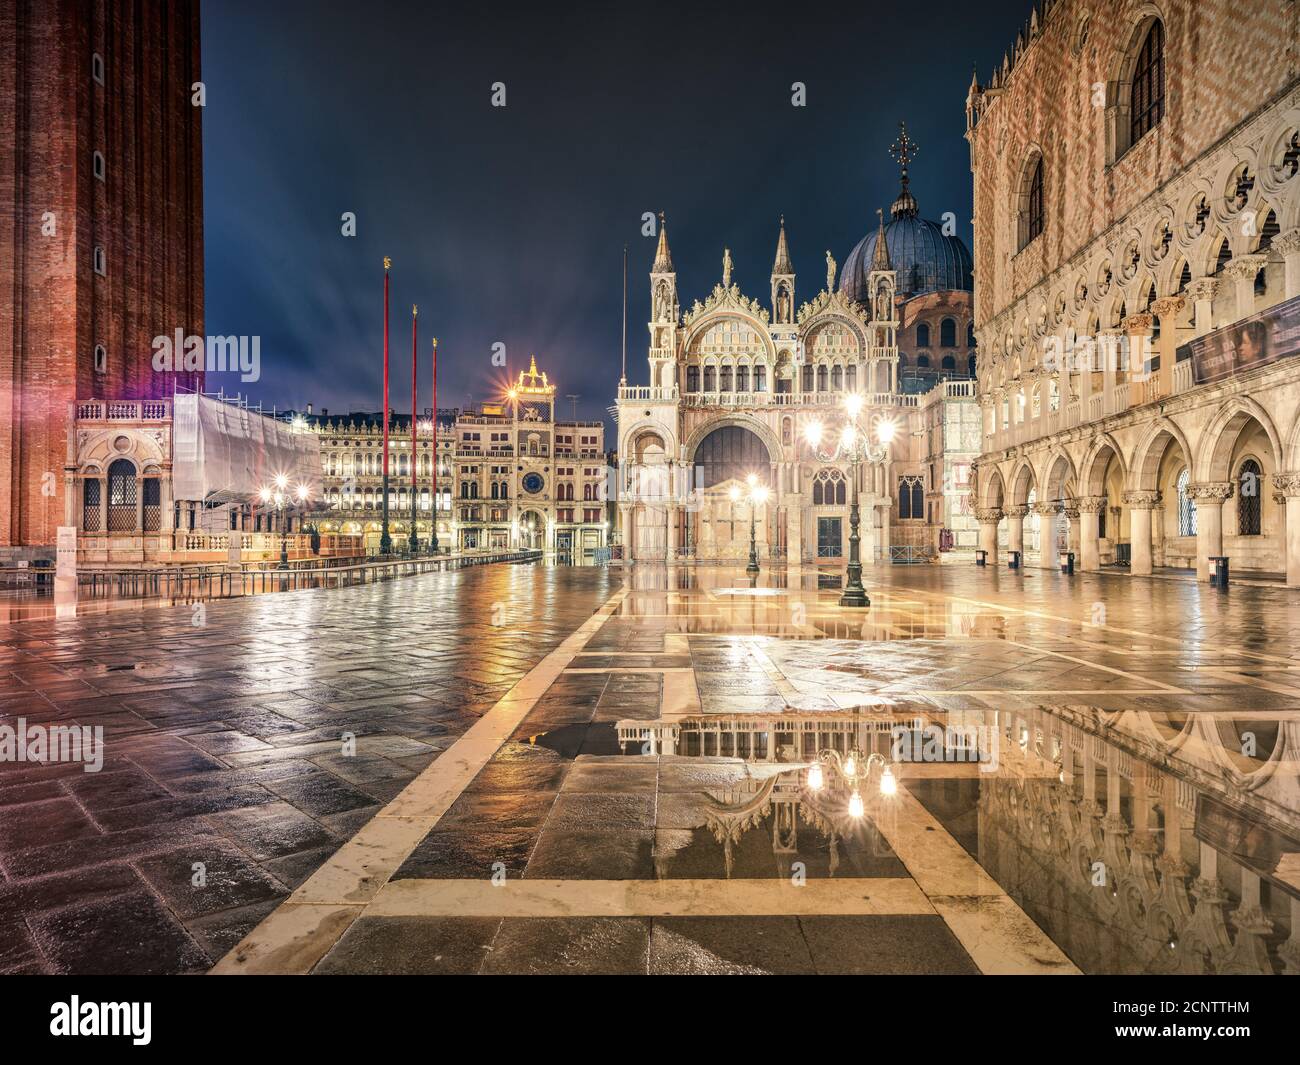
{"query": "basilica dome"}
(923, 257)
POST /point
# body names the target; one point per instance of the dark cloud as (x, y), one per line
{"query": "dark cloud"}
(508, 224)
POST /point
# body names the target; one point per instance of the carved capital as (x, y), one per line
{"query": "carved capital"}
(1203, 288)
(1048, 509)
(988, 515)
(1287, 483)
(1138, 324)
(1287, 242)
(1142, 500)
(1091, 504)
(1018, 510)
(1245, 267)
(1071, 509)
(1210, 491)
(1168, 307)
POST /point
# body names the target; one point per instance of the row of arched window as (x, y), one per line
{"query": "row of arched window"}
(947, 334)
(131, 505)
(727, 379)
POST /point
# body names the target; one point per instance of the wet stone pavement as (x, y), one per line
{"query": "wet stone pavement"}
(1049, 775)
(225, 780)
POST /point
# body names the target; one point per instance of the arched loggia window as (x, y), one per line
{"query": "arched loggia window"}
(121, 497)
(1186, 507)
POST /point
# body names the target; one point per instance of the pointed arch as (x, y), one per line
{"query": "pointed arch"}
(1022, 482)
(1220, 437)
(1093, 468)
(1059, 477)
(1144, 472)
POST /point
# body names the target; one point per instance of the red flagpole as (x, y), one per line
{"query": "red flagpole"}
(413, 538)
(433, 540)
(385, 541)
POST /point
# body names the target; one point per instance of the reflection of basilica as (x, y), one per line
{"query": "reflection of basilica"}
(734, 384)
(1139, 842)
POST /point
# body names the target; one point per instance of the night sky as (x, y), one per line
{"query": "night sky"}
(507, 224)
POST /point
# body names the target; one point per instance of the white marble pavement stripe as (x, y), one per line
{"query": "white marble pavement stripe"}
(302, 929)
(776, 896)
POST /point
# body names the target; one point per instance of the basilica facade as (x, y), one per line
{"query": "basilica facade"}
(739, 387)
(1137, 234)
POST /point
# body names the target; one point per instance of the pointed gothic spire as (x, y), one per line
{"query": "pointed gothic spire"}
(663, 259)
(880, 260)
(782, 264)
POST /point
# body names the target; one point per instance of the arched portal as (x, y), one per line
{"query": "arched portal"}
(724, 464)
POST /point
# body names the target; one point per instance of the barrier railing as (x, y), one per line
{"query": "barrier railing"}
(225, 582)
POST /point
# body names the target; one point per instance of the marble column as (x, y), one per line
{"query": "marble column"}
(988, 517)
(1288, 245)
(1210, 497)
(674, 532)
(625, 529)
(1047, 512)
(1089, 546)
(1071, 509)
(1241, 271)
(1289, 485)
(1137, 334)
(1167, 310)
(1140, 505)
(1158, 535)
(1202, 292)
(1016, 528)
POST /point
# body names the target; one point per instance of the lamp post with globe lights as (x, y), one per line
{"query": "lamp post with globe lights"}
(853, 769)
(280, 498)
(855, 443)
(755, 495)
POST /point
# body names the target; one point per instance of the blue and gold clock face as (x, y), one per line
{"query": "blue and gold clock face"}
(533, 483)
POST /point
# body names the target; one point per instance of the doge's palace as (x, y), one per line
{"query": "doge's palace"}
(1137, 301)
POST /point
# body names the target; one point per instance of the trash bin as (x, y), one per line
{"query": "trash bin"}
(1067, 563)
(981, 558)
(1219, 576)
(1014, 561)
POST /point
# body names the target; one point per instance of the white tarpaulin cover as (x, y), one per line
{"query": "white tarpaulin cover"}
(224, 453)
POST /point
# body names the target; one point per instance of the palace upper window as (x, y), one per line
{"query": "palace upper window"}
(1147, 100)
(1034, 220)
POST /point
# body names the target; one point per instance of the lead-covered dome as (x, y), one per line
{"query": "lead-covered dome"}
(921, 254)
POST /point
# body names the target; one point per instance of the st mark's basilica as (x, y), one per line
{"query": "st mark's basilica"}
(760, 414)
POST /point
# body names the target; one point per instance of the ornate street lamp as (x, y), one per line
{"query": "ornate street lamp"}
(280, 498)
(853, 770)
(755, 495)
(855, 444)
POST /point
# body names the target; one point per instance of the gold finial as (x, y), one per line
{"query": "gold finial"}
(414, 310)
(388, 263)
(435, 342)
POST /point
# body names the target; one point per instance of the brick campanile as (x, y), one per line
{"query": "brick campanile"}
(101, 225)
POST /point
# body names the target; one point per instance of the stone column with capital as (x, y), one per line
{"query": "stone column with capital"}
(1167, 310)
(1089, 545)
(1202, 293)
(1071, 511)
(1242, 270)
(1137, 333)
(1288, 245)
(625, 529)
(1210, 497)
(1288, 484)
(674, 532)
(988, 517)
(1016, 528)
(1140, 505)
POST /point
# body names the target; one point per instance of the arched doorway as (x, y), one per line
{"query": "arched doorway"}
(722, 466)
(532, 530)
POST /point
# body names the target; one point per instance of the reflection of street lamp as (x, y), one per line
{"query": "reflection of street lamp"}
(755, 495)
(280, 498)
(854, 769)
(856, 445)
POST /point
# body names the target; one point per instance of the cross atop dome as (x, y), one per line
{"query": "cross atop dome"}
(904, 150)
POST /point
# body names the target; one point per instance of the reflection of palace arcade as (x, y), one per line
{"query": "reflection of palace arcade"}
(1216, 479)
(1157, 845)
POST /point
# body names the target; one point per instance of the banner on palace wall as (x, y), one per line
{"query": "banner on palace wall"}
(1254, 341)
(1246, 840)
(225, 453)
